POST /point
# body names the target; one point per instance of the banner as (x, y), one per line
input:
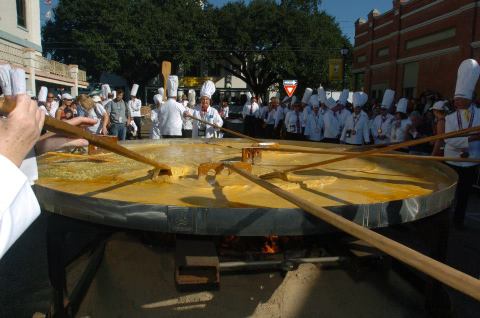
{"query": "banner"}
(335, 70)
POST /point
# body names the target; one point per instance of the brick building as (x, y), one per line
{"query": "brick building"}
(416, 46)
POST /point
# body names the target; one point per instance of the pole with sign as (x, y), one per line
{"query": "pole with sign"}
(290, 86)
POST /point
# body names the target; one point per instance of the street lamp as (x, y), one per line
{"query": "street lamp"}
(344, 53)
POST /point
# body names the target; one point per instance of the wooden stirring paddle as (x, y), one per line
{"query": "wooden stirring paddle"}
(166, 71)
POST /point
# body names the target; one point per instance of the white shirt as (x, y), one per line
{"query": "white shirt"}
(272, 114)
(382, 125)
(135, 105)
(18, 205)
(330, 124)
(250, 109)
(293, 122)
(97, 113)
(170, 118)
(399, 129)
(358, 127)
(262, 113)
(279, 115)
(314, 126)
(224, 112)
(203, 130)
(454, 146)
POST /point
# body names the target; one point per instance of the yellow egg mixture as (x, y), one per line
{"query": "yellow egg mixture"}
(356, 181)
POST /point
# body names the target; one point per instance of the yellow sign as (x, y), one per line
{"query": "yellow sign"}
(335, 70)
(193, 81)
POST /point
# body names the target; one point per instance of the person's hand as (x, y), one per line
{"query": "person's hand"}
(56, 141)
(21, 129)
(104, 131)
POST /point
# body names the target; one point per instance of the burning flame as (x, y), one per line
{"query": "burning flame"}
(270, 245)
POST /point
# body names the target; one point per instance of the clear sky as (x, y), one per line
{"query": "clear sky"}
(345, 11)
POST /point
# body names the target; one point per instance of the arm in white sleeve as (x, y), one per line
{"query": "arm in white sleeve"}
(18, 204)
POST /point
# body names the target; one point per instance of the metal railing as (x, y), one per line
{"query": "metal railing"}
(15, 55)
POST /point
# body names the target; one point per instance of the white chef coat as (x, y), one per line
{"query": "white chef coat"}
(342, 116)
(293, 122)
(330, 123)
(170, 118)
(262, 113)
(306, 113)
(382, 124)
(359, 125)
(314, 126)
(272, 114)
(453, 146)
(250, 109)
(279, 115)
(18, 205)
(399, 129)
(135, 105)
(212, 116)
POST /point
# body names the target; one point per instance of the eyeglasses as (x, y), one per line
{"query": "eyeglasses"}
(49, 97)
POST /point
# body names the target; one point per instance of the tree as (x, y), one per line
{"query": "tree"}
(131, 38)
(264, 42)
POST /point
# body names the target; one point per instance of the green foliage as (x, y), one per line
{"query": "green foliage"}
(262, 42)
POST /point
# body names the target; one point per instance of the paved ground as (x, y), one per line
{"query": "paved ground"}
(136, 280)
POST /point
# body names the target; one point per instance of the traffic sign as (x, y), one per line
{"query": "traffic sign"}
(290, 86)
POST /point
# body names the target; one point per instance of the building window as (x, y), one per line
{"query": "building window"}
(361, 59)
(21, 14)
(431, 38)
(383, 52)
(410, 78)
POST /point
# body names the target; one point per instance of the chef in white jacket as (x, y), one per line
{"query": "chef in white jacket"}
(356, 130)
(402, 123)
(341, 112)
(106, 94)
(135, 105)
(381, 127)
(314, 124)
(467, 115)
(331, 126)
(20, 131)
(306, 106)
(207, 113)
(155, 132)
(187, 128)
(171, 113)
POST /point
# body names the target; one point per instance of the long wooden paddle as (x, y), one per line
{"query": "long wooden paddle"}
(441, 272)
(233, 132)
(283, 174)
(58, 126)
(166, 71)
(384, 155)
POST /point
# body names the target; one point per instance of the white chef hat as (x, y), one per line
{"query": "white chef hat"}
(191, 97)
(114, 93)
(66, 96)
(172, 85)
(97, 99)
(5, 81)
(134, 90)
(402, 106)
(161, 91)
(306, 96)
(331, 103)
(322, 95)
(106, 90)
(19, 85)
(388, 98)
(157, 99)
(359, 99)
(467, 78)
(314, 101)
(42, 94)
(249, 96)
(342, 100)
(208, 89)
